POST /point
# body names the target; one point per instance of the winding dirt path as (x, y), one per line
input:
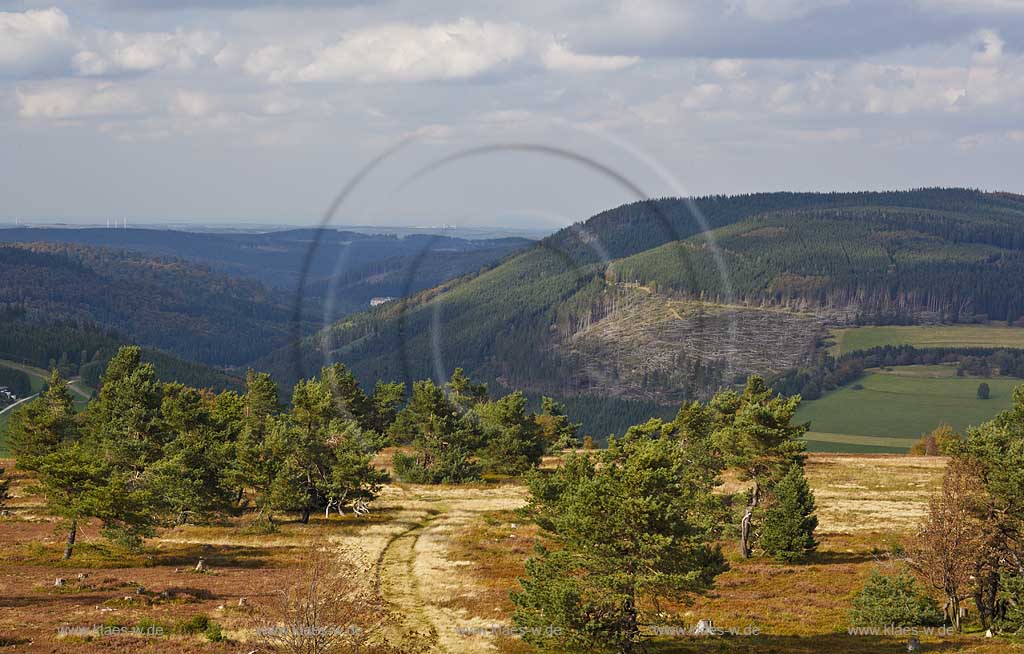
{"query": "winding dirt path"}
(417, 576)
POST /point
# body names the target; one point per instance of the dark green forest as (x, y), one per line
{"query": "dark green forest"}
(169, 304)
(891, 263)
(85, 350)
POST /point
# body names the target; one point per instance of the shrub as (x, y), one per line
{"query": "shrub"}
(1013, 595)
(984, 392)
(5, 485)
(213, 632)
(896, 601)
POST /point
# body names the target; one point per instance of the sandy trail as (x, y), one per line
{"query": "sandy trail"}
(414, 571)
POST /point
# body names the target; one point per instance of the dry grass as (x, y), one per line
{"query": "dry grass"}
(867, 506)
(445, 558)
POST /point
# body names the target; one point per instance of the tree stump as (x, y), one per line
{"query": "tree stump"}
(704, 628)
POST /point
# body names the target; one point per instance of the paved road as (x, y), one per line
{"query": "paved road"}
(24, 399)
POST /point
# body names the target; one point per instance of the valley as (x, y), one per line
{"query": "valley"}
(658, 327)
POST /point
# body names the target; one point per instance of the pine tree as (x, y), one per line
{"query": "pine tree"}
(636, 526)
(984, 392)
(789, 521)
(443, 441)
(513, 441)
(557, 431)
(42, 425)
(755, 434)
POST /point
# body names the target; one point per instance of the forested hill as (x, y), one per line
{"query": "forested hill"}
(83, 350)
(165, 303)
(520, 324)
(349, 267)
(886, 263)
(643, 225)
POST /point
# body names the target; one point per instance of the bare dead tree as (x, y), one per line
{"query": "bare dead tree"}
(330, 608)
(952, 538)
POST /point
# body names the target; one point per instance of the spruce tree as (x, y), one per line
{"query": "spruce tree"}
(789, 522)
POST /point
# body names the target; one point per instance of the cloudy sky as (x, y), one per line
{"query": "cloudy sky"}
(261, 111)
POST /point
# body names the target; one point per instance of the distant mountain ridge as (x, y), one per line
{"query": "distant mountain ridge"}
(223, 299)
(277, 258)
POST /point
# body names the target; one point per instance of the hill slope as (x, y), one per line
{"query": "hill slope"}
(568, 317)
(169, 304)
(362, 265)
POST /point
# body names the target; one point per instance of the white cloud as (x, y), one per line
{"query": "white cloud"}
(121, 52)
(558, 57)
(274, 63)
(34, 42)
(68, 101)
(399, 52)
(193, 103)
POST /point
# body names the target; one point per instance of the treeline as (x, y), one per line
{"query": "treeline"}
(276, 259)
(170, 304)
(84, 349)
(16, 381)
(639, 226)
(884, 263)
(146, 453)
(635, 524)
(828, 373)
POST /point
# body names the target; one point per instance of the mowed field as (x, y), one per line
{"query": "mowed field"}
(990, 335)
(445, 559)
(895, 406)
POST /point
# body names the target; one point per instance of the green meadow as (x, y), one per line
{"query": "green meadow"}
(887, 410)
(990, 335)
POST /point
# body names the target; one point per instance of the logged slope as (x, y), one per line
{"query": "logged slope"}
(528, 323)
(165, 303)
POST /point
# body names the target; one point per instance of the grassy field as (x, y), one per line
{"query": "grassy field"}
(445, 558)
(990, 335)
(895, 406)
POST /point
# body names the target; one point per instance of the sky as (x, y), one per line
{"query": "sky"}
(517, 114)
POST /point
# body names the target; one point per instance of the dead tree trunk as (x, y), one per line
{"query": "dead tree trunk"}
(745, 524)
(70, 545)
